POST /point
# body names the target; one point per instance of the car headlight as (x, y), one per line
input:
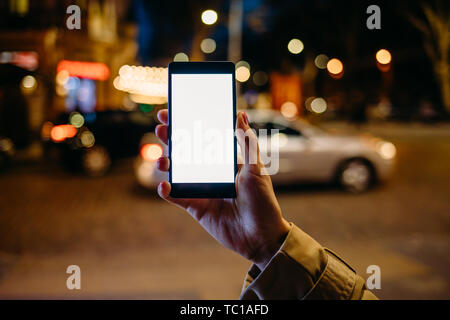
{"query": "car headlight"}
(386, 150)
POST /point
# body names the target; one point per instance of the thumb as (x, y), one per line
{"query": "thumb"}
(248, 142)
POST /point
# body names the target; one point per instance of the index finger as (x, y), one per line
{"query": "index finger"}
(163, 116)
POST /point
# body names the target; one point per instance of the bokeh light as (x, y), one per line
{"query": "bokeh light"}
(150, 83)
(289, 110)
(335, 66)
(318, 105)
(61, 132)
(308, 102)
(208, 45)
(242, 71)
(29, 82)
(321, 61)
(386, 150)
(61, 91)
(62, 77)
(87, 139)
(46, 129)
(260, 78)
(243, 63)
(181, 57)
(383, 56)
(295, 46)
(242, 74)
(151, 152)
(96, 161)
(77, 120)
(209, 17)
(57, 134)
(72, 83)
(6, 145)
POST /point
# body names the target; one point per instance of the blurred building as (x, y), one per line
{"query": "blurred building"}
(34, 39)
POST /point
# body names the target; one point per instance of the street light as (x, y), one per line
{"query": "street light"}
(209, 17)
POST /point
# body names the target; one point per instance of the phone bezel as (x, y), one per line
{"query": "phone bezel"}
(210, 189)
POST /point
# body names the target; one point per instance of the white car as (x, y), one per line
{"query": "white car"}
(306, 154)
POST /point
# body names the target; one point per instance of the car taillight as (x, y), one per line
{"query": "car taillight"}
(61, 132)
(46, 129)
(151, 152)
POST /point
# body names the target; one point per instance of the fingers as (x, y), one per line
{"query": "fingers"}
(163, 164)
(164, 192)
(162, 132)
(163, 116)
(248, 143)
(164, 189)
(239, 162)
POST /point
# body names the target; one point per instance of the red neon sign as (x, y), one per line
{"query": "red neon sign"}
(81, 69)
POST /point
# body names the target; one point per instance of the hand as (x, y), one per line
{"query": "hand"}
(251, 224)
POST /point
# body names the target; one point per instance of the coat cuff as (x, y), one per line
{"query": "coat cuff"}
(302, 269)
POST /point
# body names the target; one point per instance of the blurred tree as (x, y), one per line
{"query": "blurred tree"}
(434, 26)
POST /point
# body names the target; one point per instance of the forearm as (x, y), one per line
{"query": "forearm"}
(303, 269)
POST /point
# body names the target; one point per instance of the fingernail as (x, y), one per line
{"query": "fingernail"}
(244, 115)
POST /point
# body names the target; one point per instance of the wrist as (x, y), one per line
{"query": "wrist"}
(272, 245)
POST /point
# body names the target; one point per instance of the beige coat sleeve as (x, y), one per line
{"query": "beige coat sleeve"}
(303, 269)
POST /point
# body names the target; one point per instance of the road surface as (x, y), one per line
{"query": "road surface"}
(130, 244)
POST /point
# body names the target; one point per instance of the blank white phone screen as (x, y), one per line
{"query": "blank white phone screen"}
(202, 139)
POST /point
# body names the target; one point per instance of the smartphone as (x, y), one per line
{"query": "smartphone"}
(202, 119)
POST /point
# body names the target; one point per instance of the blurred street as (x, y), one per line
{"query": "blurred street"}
(130, 244)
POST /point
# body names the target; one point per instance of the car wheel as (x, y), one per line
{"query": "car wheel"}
(356, 175)
(96, 161)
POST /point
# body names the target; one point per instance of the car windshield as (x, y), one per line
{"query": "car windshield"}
(295, 128)
(269, 126)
